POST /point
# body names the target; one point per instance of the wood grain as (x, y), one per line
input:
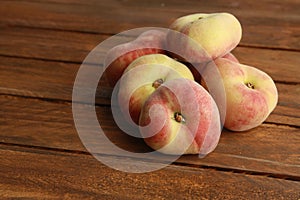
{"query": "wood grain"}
(266, 149)
(55, 80)
(280, 65)
(260, 27)
(43, 43)
(74, 47)
(64, 175)
(47, 44)
(288, 104)
(43, 79)
(34, 43)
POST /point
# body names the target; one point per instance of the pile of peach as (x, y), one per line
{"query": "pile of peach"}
(183, 85)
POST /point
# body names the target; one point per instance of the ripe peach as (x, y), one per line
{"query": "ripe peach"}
(251, 94)
(143, 76)
(209, 36)
(119, 57)
(188, 117)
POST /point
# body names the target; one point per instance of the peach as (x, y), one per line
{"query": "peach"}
(251, 94)
(210, 36)
(119, 57)
(143, 76)
(187, 116)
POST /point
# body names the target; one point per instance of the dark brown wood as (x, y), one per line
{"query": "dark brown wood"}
(42, 45)
(48, 44)
(55, 80)
(268, 148)
(288, 105)
(69, 47)
(72, 176)
(43, 79)
(260, 27)
(280, 65)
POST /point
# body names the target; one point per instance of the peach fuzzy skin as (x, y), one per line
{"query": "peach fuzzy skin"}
(119, 57)
(140, 78)
(212, 35)
(200, 131)
(251, 95)
(231, 57)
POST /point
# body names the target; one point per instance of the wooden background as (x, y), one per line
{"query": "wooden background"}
(42, 45)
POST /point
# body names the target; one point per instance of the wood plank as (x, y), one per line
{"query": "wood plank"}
(69, 176)
(41, 129)
(47, 44)
(42, 79)
(54, 80)
(284, 115)
(266, 149)
(280, 65)
(260, 27)
(288, 104)
(74, 47)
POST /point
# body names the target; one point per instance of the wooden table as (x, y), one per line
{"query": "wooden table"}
(42, 45)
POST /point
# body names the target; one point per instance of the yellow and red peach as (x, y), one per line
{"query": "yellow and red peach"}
(251, 94)
(119, 57)
(210, 36)
(143, 76)
(188, 117)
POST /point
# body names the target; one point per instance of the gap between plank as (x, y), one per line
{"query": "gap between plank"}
(268, 48)
(51, 60)
(281, 124)
(61, 101)
(241, 171)
(287, 82)
(176, 163)
(61, 30)
(42, 59)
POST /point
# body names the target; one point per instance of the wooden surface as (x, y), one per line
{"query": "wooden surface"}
(42, 45)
